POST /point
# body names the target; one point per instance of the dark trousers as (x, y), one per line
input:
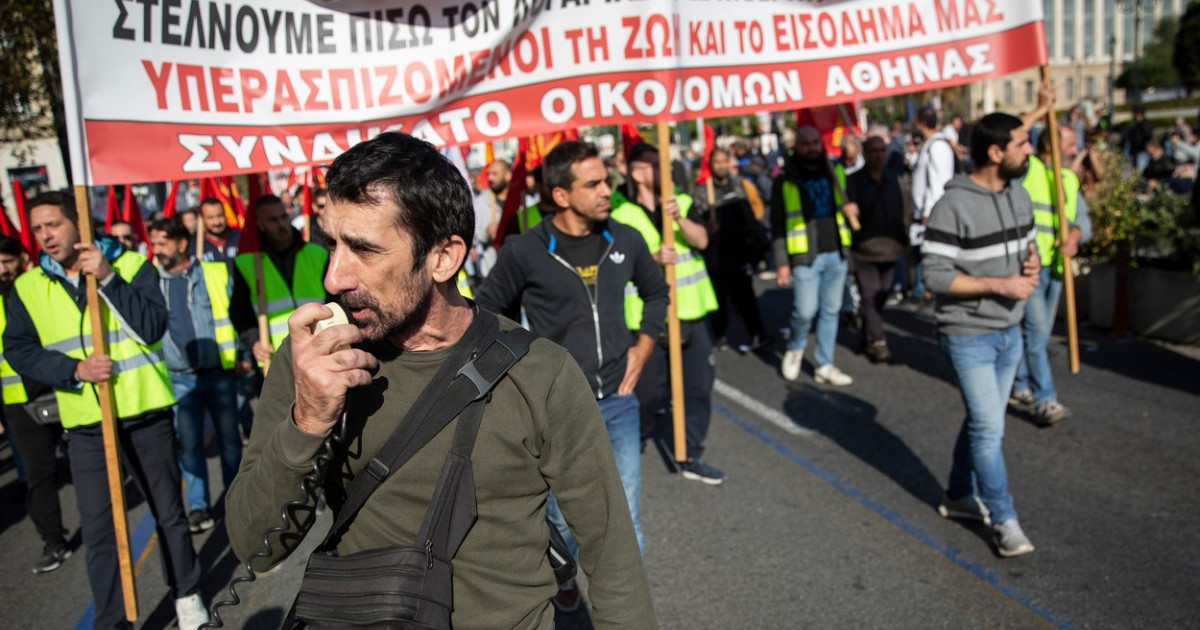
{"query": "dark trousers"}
(733, 286)
(148, 453)
(39, 448)
(874, 282)
(654, 390)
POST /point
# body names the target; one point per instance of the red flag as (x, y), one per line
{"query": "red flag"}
(255, 186)
(307, 196)
(6, 225)
(169, 207)
(248, 242)
(630, 137)
(833, 121)
(110, 210)
(710, 143)
(27, 240)
(132, 215)
(516, 193)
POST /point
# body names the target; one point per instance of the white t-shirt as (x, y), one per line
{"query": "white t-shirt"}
(934, 168)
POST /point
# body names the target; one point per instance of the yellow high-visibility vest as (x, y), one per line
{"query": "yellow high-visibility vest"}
(10, 382)
(794, 224)
(308, 285)
(1039, 183)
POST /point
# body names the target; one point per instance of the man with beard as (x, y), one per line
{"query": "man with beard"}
(220, 240)
(811, 240)
(36, 443)
(292, 273)
(201, 352)
(981, 261)
(489, 206)
(399, 221)
(48, 340)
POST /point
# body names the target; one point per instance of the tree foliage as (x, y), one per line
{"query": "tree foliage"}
(30, 87)
(1156, 69)
(1186, 53)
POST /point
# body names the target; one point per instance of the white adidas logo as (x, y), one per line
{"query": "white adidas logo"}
(617, 257)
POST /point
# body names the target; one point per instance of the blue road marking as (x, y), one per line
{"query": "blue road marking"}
(894, 518)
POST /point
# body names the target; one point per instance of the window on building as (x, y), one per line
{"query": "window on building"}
(1008, 93)
(1048, 11)
(1127, 33)
(1089, 28)
(1068, 22)
(1029, 91)
(1091, 87)
(1070, 89)
(1110, 21)
(1147, 25)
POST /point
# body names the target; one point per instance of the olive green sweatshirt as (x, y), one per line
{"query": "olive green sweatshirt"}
(541, 431)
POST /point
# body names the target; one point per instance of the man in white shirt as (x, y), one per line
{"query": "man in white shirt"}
(934, 167)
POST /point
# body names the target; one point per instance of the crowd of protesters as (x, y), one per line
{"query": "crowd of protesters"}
(936, 213)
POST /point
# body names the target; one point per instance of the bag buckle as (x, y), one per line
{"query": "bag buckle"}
(378, 469)
(484, 385)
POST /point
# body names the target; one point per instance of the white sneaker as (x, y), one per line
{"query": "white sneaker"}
(791, 364)
(190, 613)
(1010, 540)
(829, 374)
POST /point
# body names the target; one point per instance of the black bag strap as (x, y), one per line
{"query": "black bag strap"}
(437, 405)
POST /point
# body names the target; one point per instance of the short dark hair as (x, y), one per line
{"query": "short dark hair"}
(928, 117)
(172, 227)
(639, 151)
(62, 200)
(319, 192)
(556, 167)
(10, 246)
(432, 198)
(992, 130)
(715, 151)
(121, 222)
(266, 200)
(211, 201)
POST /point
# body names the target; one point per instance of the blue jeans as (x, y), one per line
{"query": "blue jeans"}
(817, 290)
(215, 392)
(622, 417)
(1033, 372)
(984, 365)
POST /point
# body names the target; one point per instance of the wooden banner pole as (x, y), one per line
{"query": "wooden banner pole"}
(264, 329)
(108, 419)
(674, 347)
(1064, 230)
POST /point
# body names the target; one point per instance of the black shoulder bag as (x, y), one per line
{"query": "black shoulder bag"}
(409, 587)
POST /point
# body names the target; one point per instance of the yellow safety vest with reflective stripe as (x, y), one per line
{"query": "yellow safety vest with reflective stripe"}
(140, 381)
(528, 217)
(308, 285)
(794, 224)
(216, 282)
(11, 383)
(1039, 183)
(694, 293)
(464, 286)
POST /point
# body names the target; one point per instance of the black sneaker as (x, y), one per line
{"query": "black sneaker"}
(200, 521)
(757, 343)
(697, 470)
(52, 557)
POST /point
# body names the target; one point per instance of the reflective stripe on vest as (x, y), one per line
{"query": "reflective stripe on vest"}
(308, 279)
(694, 293)
(794, 224)
(216, 283)
(1039, 183)
(140, 381)
(10, 382)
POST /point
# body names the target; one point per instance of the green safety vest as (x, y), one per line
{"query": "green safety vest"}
(464, 286)
(797, 231)
(1039, 183)
(528, 217)
(216, 282)
(140, 382)
(694, 295)
(10, 382)
(308, 280)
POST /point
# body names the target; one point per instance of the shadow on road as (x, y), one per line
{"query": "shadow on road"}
(850, 422)
(1135, 359)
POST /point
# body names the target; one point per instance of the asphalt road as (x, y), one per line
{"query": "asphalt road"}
(828, 519)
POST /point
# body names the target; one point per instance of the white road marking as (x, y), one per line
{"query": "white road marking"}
(774, 416)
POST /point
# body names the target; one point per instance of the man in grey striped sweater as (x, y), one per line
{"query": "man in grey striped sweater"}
(980, 261)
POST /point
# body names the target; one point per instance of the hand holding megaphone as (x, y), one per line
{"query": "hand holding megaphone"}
(325, 364)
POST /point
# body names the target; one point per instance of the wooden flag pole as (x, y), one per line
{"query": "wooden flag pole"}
(1064, 229)
(674, 347)
(841, 190)
(264, 329)
(108, 419)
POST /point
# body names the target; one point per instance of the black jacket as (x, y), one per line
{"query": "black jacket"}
(559, 307)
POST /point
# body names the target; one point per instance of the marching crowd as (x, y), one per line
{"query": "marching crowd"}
(959, 218)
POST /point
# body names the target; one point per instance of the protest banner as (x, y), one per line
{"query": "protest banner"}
(241, 86)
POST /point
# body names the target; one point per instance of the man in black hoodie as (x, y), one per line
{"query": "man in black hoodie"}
(570, 274)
